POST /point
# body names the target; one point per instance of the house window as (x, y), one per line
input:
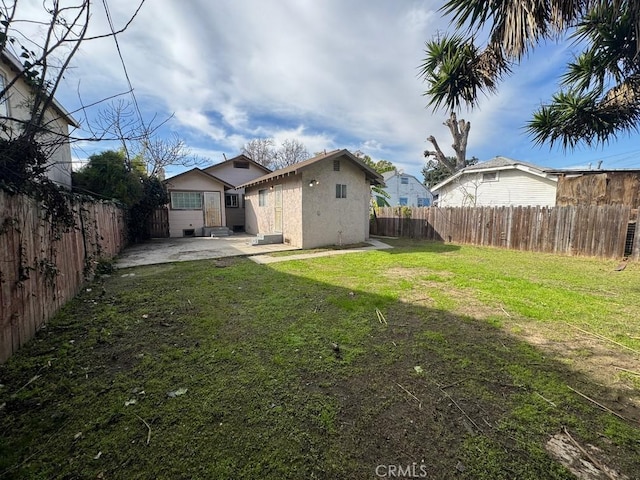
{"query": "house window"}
(4, 101)
(404, 180)
(262, 198)
(336, 165)
(403, 201)
(237, 164)
(423, 202)
(186, 200)
(231, 200)
(490, 177)
(341, 191)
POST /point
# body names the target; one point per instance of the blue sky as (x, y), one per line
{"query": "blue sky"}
(330, 73)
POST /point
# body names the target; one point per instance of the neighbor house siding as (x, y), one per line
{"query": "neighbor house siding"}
(19, 104)
(411, 191)
(512, 187)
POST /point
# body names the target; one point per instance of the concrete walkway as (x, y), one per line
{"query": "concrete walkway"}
(166, 250)
(265, 259)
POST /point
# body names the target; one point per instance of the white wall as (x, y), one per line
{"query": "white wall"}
(411, 191)
(512, 187)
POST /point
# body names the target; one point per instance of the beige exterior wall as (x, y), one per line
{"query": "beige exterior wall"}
(235, 176)
(180, 220)
(512, 187)
(312, 215)
(261, 220)
(328, 220)
(19, 101)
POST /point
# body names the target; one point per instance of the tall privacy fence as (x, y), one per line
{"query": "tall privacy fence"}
(41, 268)
(600, 231)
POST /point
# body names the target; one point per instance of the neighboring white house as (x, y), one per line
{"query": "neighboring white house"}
(14, 109)
(405, 190)
(498, 182)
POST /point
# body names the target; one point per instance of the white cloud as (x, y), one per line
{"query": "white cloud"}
(331, 74)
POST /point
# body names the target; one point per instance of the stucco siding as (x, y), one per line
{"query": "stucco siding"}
(512, 187)
(328, 220)
(261, 219)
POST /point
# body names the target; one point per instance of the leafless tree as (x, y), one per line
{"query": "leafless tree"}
(140, 142)
(261, 150)
(459, 132)
(265, 152)
(292, 151)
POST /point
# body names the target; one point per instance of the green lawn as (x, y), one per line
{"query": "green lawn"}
(460, 361)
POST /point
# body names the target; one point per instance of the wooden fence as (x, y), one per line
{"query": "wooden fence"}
(40, 270)
(600, 231)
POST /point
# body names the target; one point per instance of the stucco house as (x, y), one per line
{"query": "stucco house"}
(14, 110)
(405, 190)
(196, 205)
(236, 171)
(321, 201)
(500, 181)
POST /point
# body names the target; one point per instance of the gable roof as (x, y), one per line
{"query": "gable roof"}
(242, 157)
(198, 171)
(496, 164)
(15, 65)
(374, 177)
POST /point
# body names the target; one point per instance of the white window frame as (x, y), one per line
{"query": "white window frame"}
(4, 101)
(489, 177)
(231, 200)
(186, 200)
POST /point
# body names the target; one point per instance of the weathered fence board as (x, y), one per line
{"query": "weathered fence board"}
(41, 270)
(570, 230)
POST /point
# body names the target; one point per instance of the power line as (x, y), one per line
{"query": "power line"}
(124, 66)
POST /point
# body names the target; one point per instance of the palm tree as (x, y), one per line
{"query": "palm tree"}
(600, 97)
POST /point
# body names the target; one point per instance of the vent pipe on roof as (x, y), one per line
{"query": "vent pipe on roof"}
(599, 165)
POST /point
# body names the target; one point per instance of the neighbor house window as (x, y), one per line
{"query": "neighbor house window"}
(341, 191)
(423, 202)
(237, 164)
(186, 200)
(262, 198)
(404, 180)
(403, 201)
(231, 200)
(490, 177)
(4, 100)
